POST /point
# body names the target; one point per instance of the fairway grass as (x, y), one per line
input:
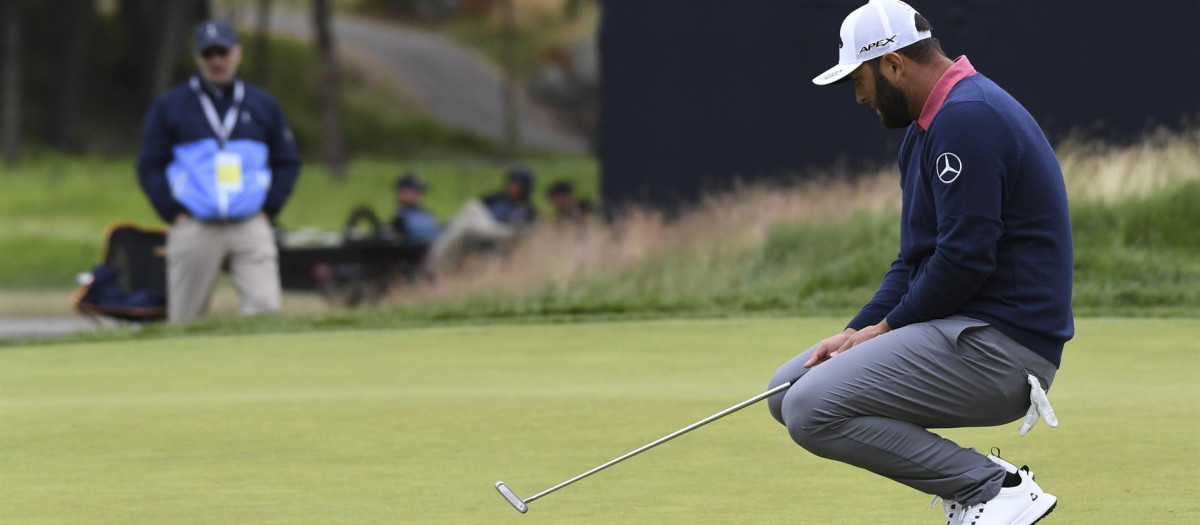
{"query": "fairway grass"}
(414, 426)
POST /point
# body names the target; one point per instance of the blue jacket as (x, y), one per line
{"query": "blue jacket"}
(176, 166)
(508, 211)
(415, 224)
(985, 231)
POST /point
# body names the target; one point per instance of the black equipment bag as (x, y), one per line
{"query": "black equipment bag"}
(130, 283)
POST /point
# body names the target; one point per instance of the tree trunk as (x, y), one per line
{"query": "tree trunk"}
(262, 41)
(137, 16)
(78, 17)
(158, 35)
(10, 111)
(331, 108)
(201, 10)
(512, 126)
(173, 16)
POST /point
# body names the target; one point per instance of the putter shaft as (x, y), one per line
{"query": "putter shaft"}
(665, 439)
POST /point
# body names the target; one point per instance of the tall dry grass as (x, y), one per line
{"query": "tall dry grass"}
(1108, 174)
(560, 258)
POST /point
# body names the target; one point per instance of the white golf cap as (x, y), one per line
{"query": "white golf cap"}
(869, 32)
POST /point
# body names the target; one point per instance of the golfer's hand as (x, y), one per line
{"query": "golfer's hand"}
(862, 336)
(827, 348)
(182, 218)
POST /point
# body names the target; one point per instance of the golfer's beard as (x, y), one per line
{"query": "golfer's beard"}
(892, 104)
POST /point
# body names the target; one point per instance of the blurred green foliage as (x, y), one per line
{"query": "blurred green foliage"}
(1139, 256)
(54, 209)
(380, 123)
(385, 123)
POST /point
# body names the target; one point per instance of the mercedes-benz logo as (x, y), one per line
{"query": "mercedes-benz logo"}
(948, 167)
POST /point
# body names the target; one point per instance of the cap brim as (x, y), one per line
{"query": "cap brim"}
(836, 74)
(216, 42)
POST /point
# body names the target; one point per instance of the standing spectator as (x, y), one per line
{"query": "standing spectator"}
(411, 221)
(217, 162)
(568, 208)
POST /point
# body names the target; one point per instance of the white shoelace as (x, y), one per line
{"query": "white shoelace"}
(948, 507)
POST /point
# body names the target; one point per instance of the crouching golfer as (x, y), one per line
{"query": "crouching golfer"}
(968, 325)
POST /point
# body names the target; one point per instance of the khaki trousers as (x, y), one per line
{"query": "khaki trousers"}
(195, 252)
(474, 223)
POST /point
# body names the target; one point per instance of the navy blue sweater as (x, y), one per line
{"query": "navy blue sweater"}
(176, 120)
(985, 232)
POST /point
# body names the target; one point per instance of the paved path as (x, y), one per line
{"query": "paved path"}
(46, 326)
(458, 87)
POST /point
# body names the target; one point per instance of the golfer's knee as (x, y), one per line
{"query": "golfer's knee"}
(775, 402)
(806, 416)
(798, 417)
(775, 405)
(790, 372)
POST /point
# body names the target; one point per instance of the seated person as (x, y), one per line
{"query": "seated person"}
(511, 206)
(494, 219)
(411, 221)
(568, 208)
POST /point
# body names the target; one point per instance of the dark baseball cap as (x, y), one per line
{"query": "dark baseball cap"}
(521, 175)
(410, 181)
(562, 187)
(214, 33)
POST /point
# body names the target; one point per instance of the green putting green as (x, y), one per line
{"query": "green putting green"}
(414, 426)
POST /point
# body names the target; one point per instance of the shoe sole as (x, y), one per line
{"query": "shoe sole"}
(1044, 514)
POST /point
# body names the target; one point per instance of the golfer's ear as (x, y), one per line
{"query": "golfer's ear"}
(892, 65)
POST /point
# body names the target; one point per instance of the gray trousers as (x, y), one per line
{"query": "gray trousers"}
(871, 405)
(195, 251)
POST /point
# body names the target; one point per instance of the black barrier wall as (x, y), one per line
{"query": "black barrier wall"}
(698, 93)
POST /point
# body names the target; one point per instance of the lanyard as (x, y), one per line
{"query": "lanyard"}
(223, 129)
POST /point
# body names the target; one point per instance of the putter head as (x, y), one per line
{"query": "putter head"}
(511, 497)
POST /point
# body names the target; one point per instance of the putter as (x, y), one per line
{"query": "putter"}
(522, 505)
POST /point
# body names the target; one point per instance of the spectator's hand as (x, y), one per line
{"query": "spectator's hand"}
(828, 347)
(181, 219)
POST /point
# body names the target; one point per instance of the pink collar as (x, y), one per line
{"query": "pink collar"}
(961, 69)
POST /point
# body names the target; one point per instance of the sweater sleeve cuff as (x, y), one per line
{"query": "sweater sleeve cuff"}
(867, 317)
(900, 317)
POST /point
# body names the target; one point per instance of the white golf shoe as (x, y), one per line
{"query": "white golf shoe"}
(952, 509)
(1024, 504)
